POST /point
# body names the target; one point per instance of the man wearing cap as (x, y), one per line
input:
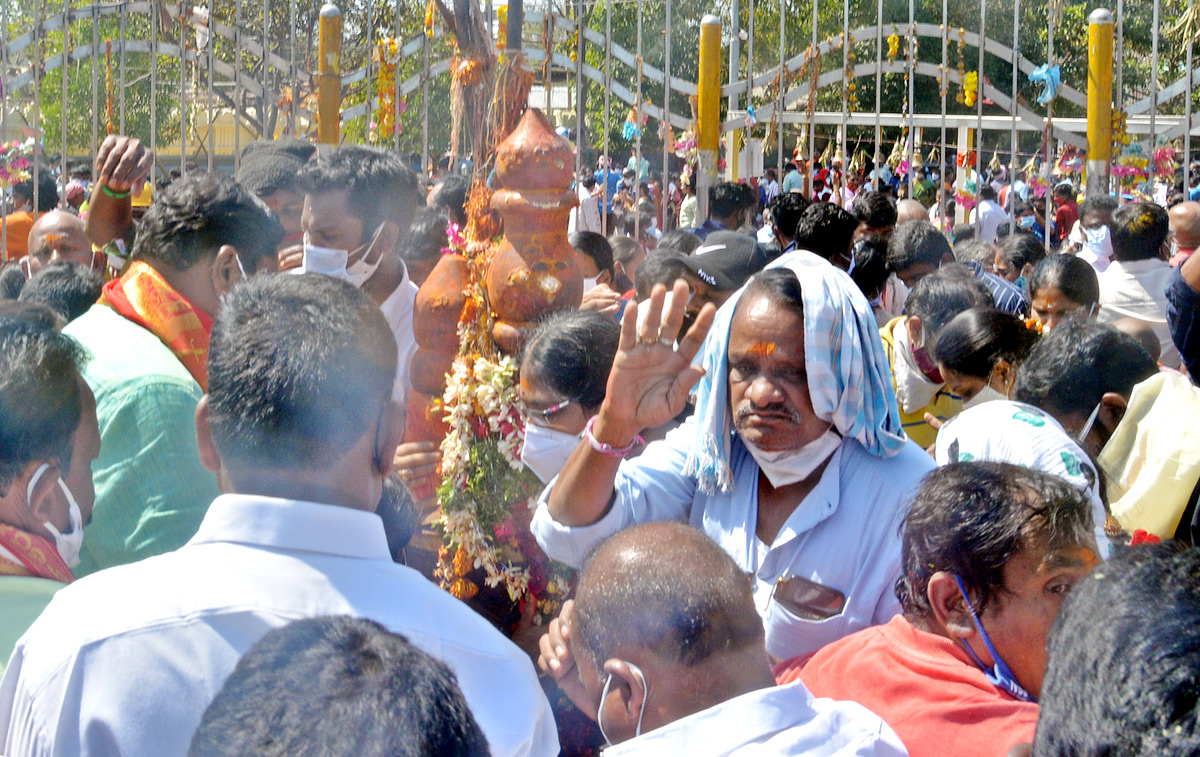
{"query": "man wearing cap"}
(721, 265)
(269, 170)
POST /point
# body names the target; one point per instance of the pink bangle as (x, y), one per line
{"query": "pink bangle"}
(608, 449)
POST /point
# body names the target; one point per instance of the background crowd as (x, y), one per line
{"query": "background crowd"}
(957, 463)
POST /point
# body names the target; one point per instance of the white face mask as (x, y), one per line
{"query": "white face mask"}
(67, 544)
(589, 284)
(1098, 242)
(986, 394)
(790, 466)
(604, 695)
(546, 450)
(333, 262)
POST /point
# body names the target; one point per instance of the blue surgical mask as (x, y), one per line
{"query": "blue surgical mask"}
(1022, 284)
(1026, 222)
(999, 675)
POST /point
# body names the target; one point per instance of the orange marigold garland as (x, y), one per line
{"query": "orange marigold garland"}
(108, 85)
(384, 126)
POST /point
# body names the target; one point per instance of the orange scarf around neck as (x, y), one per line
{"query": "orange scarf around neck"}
(143, 296)
(36, 555)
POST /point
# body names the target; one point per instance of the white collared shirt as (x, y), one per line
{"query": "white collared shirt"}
(398, 310)
(1138, 289)
(780, 720)
(845, 534)
(126, 660)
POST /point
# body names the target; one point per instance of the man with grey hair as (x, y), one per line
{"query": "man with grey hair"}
(663, 647)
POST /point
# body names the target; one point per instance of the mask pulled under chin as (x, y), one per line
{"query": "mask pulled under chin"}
(791, 466)
(68, 544)
(546, 450)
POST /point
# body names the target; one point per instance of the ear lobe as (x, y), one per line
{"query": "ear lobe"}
(1004, 371)
(390, 434)
(226, 272)
(630, 684)
(45, 491)
(950, 610)
(913, 324)
(210, 458)
(389, 237)
(1112, 410)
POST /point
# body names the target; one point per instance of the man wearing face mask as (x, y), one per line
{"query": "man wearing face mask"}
(148, 337)
(48, 439)
(1135, 285)
(358, 204)
(662, 648)
(990, 552)
(910, 342)
(794, 461)
(1138, 422)
(1091, 238)
(299, 427)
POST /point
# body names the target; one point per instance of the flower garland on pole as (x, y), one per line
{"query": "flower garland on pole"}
(15, 162)
(384, 126)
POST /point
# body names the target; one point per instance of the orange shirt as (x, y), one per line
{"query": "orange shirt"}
(18, 225)
(923, 685)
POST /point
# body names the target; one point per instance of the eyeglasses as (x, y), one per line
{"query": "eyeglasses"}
(542, 417)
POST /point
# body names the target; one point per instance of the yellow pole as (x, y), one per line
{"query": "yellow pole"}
(708, 127)
(1099, 101)
(329, 74)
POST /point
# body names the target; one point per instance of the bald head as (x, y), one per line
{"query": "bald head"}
(910, 210)
(56, 237)
(665, 589)
(1185, 223)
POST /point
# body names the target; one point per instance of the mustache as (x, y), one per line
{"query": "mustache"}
(743, 413)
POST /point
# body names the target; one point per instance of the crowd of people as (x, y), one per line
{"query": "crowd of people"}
(837, 476)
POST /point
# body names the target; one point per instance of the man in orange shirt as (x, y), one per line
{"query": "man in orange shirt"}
(19, 223)
(990, 551)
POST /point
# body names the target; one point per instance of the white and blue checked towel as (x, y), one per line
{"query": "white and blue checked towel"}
(849, 379)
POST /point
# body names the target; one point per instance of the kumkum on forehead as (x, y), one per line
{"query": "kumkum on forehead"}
(764, 349)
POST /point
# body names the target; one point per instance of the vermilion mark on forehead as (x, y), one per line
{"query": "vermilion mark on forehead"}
(763, 348)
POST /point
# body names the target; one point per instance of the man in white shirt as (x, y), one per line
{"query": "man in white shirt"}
(586, 216)
(1135, 284)
(794, 461)
(300, 428)
(358, 205)
(988, 216)
(663, 648)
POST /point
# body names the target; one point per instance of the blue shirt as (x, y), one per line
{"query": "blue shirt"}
(1183, 304)
(610, 184)
(845, 534)
(708, 227)
(1007, 295)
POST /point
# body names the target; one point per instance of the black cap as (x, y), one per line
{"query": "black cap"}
(727, 259)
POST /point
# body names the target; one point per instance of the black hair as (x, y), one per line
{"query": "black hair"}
(1123, 667)
(870, 264)
(976, 339)
(12, 280)
(1138, 231)
(426, 237)
(299, 367)
(987, 192)
(826, 230)
(1077, 363)
(779, 285)
(974, 251)
(666, 588)
(940, 296)
(972, 518)
(571, 353)
(1020, 250)
(40, 399)
(47, 191)
(624, 249)
(379, 186)
(1098, 204)
(962, 232)
(658, 268)
(1072, 276)
(1066, 191)
(875, 209)
(451, 197)
(726, 198)
(785, 211)
(595, 246)
(67, 288)
(917, 242)
(193, 217)
(338, 685)
(681, 241)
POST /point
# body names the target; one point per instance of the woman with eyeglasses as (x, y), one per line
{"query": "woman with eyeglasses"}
(564, 374)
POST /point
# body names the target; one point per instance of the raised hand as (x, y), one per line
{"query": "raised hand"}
(651, 376)
(123, 163)
(557, 660)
